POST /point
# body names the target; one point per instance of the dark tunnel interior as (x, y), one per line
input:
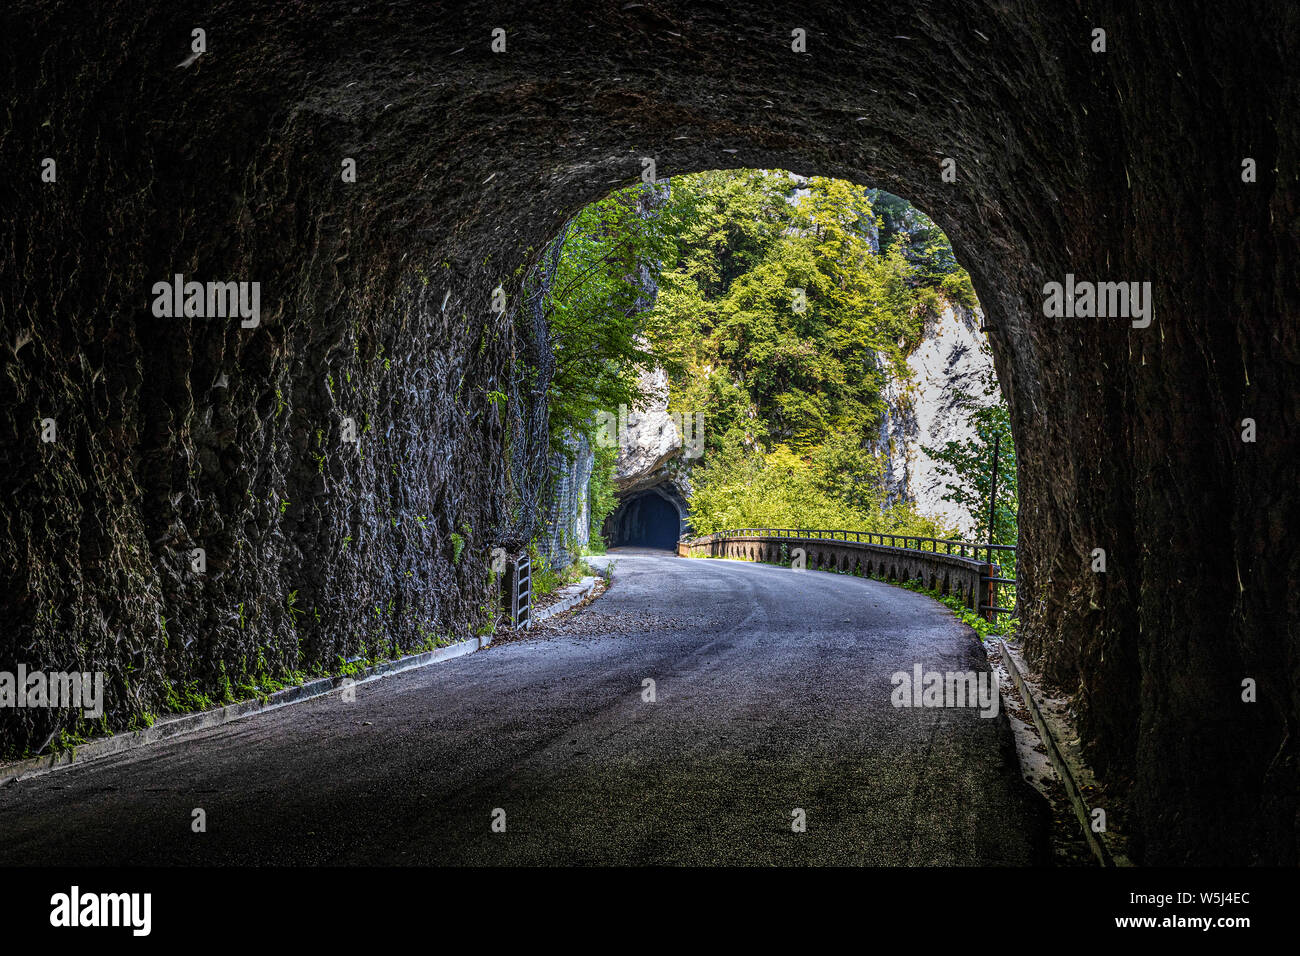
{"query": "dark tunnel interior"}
(379, 171)
(645, 520)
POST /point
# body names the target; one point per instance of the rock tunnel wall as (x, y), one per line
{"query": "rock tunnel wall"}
(341, 465)
(376, 305)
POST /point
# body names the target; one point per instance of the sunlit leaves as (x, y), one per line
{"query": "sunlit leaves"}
(594, 306)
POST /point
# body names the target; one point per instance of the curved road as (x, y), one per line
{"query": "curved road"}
(772, 693)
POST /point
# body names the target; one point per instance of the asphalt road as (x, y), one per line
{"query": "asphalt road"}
(772, 693)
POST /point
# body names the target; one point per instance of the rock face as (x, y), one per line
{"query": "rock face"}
(649, 438)
(927, 411)
(649, 463)
(377, 307)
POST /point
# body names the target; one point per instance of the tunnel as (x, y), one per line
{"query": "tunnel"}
(645, 519)
(386, 175)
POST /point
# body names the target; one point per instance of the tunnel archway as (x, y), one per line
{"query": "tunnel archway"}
(645, 519)
(377, 320)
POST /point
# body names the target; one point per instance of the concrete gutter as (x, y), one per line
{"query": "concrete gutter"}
(1095, 841)
(574, 595)
(189, 723)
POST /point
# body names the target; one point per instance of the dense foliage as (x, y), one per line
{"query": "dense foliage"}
(789, 306)
(602, 500)
(780, 308)
(593, 306)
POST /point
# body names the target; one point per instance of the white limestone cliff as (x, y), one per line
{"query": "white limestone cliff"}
(953, 359)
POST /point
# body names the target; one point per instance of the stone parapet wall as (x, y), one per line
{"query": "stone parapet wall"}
(945, 573)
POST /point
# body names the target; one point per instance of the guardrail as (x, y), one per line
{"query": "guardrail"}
(944, 575)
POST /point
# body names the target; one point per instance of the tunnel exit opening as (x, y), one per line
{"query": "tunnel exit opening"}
(742, 333)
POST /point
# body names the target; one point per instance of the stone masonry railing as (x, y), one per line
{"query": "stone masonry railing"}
(937, 564)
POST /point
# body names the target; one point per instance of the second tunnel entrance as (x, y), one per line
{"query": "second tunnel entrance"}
(646, 519)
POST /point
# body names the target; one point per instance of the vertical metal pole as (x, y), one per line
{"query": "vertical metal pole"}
(993, 493)
(993, 504)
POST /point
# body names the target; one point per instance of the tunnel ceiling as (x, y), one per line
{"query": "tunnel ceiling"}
(376, 307)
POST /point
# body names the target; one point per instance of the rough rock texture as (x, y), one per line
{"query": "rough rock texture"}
(650, 462)
(927, 411)
(648, 439)
(1117, 165)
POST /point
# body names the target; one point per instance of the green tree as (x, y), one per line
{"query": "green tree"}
(778, 306)
(601, 491)
(594, 305)
(968, 468)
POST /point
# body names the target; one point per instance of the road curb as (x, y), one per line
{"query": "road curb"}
(586, 586)
(189, 723)
(1059, 763)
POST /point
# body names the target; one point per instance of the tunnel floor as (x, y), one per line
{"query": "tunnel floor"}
(768, 699)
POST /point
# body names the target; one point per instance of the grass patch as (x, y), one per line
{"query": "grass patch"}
(547, 580)
(1002, 626)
